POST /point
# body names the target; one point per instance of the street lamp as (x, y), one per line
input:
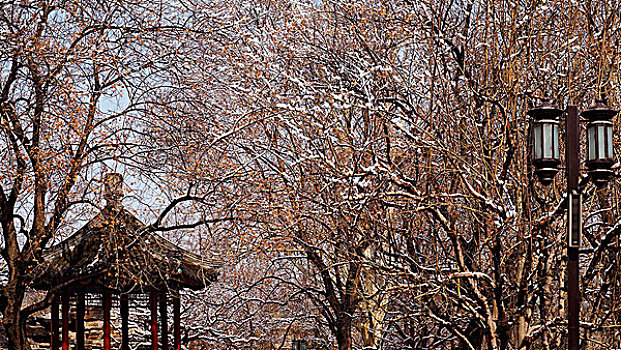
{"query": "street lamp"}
(298, 344)
(599, 135)
(600, 158)
(546, 156)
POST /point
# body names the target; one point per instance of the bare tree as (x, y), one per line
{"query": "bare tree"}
(388, 143)
(78, 82)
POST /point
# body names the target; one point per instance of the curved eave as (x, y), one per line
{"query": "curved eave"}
(84, 258)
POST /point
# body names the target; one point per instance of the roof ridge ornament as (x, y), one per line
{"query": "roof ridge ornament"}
(113, 192)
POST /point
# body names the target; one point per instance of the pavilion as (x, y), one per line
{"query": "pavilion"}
(115, 254)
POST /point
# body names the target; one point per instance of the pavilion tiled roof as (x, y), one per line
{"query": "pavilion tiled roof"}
(116, 251)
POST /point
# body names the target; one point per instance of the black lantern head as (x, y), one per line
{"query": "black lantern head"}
(600, 155)
(545, 141)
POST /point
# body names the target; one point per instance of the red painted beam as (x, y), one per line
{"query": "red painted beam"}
(107, 305)
(79, 318)
(164, 320)
(177, 321)
(54, 330)
(153, 307)
(65, 315)
(124, 322)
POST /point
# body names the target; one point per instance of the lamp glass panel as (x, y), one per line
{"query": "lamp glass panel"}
(555, 145)
(601, 141)
(609, 141)
(548, 140)
(537, 141)
(591, 130)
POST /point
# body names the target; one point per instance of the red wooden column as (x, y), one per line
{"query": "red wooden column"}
(153, 307)
(164, 319)
(124, 322)
(79, 318)
(107, 305)
(54, 331)
(65, 315)
(177, 321)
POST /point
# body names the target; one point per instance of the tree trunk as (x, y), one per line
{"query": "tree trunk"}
(343, 333)
(12, 320)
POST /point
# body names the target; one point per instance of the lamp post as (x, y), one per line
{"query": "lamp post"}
(546, 159)
(298, 344)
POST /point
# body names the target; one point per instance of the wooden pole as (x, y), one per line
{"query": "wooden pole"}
(164, 319)
(79, 318)
(153, 307)
(107, 305)
(124, 322)
(65, 316)
(177, 321)
(54, 331)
